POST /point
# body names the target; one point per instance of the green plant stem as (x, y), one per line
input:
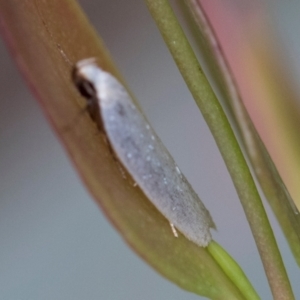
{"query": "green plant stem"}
(232, 270)
(216, 119)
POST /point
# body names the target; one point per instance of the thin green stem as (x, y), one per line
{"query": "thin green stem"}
(217, 121)
(232, 270)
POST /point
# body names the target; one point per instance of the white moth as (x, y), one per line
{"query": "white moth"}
(142, 153)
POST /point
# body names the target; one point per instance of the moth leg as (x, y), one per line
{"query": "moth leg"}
(174, 230)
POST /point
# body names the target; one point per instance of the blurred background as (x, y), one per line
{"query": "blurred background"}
(55, 242)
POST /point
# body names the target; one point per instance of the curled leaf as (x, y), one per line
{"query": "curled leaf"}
(46, 39)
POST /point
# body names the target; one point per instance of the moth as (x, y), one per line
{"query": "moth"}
(140, 151)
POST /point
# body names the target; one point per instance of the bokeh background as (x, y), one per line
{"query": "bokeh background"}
(55, 242)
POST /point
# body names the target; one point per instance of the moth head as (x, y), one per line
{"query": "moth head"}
(83, 75)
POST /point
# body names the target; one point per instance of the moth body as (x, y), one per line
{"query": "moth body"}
(141, 152)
